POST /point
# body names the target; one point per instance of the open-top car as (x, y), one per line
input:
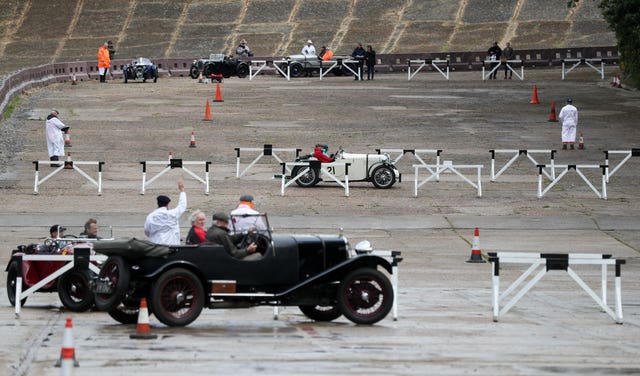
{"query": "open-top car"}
(375, 168)
(219, 64)
(299, 65)
(141, 69)
(320, 274)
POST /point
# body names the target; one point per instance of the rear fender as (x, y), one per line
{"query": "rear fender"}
(176, 264)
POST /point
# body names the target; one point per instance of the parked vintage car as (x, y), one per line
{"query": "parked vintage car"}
(320, 274)
(299, 65)
(140, 69)
(219, 64)
(72, 287)
(375, 168)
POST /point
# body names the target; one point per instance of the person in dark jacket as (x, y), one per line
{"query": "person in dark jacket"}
(370, 60)
(219, 233)
(494, 53)
(359, 54)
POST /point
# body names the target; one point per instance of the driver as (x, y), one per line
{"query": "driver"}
(219, 233)
(320, 153)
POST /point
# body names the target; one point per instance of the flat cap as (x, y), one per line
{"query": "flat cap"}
(163, 200)
(220, 216)
(247, 197)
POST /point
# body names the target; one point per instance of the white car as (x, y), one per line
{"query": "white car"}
(301, 64)
(375, 168)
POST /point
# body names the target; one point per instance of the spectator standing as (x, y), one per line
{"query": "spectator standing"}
(163, 224)
(309, 50)
(112, 53)
(197, 232)
(508, 54)
(104, 61)
(494, 53)
(359, 55)
(55, 139)
(243, 49)
(245, 216)
(569, 118)
(370, 60)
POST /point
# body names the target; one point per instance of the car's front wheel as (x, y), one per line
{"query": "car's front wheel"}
(243, 70)
(321, 313)
(194, 72)
(74, 290)
(296, 70)
(365, 296)
(308, 179)
(177, 297)
(12, 274)
(383, 177)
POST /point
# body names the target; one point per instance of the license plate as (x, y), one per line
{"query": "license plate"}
(103, 287)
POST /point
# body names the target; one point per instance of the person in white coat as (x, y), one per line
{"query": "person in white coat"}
(569, 117)
(163, 224)
(55, 138)
(309, 50)
(245, 216)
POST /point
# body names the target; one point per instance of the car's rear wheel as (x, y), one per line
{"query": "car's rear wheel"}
(126, 312)
(383, 177)
(74, 290)
(321, 313)
(177, 297)
(114, 273)
(296, 70)
(194, 72)
(12, 274)
(243, 70)
(308, 179)
(365, 296)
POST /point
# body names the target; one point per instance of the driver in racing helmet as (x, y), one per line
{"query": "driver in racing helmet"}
(320, 153)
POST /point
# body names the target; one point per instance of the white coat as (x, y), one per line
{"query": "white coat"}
(569, 117)
(242, 223)
(55, 139)
(309, 50)
(163, 225)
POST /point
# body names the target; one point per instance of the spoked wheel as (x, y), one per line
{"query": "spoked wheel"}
(308, 179)
(126, 312)
(112, 283)
(243, 71)
(365, 296)
(12, 274)
(383, 177)
(177, 297)
(74, 291)
(194, 72)
(296, 70)
(321, 313)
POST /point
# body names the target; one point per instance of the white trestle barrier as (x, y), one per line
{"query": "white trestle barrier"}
(324, 168)
(564, 169)
(328, 66)
(426, 62)
(265, 151)
(175, 163)
(589, 62)
(418, 154)
(494, 65)
(261, 64)
(448, 166)
(516, 154)
(635, 152)
(68, 165)
(547, 262)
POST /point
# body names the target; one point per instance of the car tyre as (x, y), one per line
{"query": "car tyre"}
(296, 70)
(321, 313)
(243, 70)
(74, 290)
(308, 179)
(126, 312)
(365, 296)
(12, 274)
(194, 72)
(116, 270)
(177, 297)
(383, 177)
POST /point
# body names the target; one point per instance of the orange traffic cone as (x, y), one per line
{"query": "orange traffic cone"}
(74, 81)
(534, 98)
(476, 254)
(192, 143)
(143, 330)
(170, 155)
(207, 112)
(68, 164)
(552, 115)
(581, 142)
(218, 94)
(67, 139)
(67, 358)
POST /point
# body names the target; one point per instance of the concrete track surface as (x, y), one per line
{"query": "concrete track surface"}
(445, 322)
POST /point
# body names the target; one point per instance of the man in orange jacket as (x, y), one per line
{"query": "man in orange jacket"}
(104, 61)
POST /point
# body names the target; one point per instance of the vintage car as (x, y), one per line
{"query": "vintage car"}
(219, 64)
(140, 69)
(320, 274)
(299, 65)
(72, 287)
(375, 168)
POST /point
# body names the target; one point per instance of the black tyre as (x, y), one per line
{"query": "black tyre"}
(194, 72)
(74, 290)
(365, 296)
(296, 70)
(243, 70)
(321, 313)
(383, 177)
(115, 272)
(308, 179)
(12, 274)
(177, 297)
(125, 313)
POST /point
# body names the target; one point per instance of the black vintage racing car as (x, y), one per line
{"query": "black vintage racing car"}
(219, 64)
(140, 69)
(319, 274)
